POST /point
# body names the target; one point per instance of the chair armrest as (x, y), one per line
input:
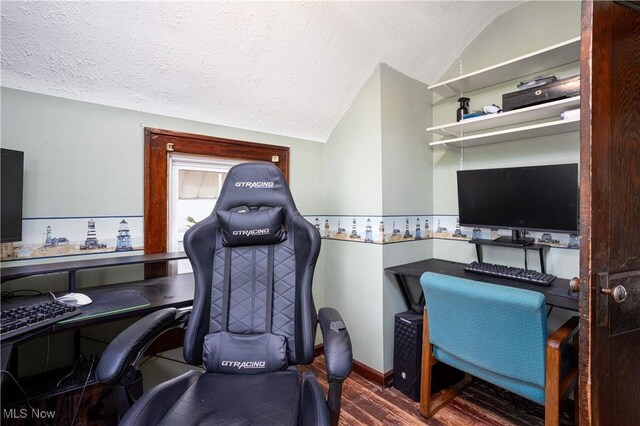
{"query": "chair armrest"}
(557, 384)
(337, 345)
(128, 346)
(560, 337)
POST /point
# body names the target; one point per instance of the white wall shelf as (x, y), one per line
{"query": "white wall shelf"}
(525, 132)
(489, 121)
(540, 60)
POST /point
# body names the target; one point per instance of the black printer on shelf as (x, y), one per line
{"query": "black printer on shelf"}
(552, 91)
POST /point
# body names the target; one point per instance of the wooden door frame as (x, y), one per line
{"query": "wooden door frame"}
(583, 396)
(158, 144)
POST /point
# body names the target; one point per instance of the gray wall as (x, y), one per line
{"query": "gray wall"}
(531, 26)
(353, 181)
(377, 163)
(353, 155)
(407, 178)
(84, 159)
(407, 181)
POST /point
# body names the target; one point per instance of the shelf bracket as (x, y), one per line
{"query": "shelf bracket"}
(450, 148)
(452, 133)
(452, 90)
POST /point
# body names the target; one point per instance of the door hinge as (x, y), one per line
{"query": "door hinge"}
(275, 158)
(169, 147)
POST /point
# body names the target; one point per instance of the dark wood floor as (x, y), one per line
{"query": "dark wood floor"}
(364, 403)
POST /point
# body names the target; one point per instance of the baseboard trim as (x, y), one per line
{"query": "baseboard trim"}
(381, 379)
(374, 376)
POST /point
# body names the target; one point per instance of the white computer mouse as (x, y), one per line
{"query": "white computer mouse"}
(76, 299)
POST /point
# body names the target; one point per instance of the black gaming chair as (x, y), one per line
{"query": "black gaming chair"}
(253, 319)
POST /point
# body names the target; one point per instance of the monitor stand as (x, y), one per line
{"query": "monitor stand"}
(517, 238)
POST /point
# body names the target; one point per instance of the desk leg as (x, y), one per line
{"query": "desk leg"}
(76, 344)
(13, 360)
(479, 253)
(540, 252)
(403, 290)
(72, 282)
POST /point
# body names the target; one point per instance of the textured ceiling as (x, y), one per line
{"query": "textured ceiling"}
(289, 68)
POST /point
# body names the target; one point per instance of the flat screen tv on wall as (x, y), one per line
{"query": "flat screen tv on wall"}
(534, 198)
(11, 195)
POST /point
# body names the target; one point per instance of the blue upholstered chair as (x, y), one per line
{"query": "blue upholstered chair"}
(498, 334)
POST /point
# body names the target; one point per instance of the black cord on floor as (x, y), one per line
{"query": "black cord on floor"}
(81, 357)
(86, 382)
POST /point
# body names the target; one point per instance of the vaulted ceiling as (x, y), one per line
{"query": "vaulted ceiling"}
(289, 68)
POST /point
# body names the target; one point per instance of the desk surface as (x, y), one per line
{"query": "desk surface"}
(14, 272)
(164, 292)
(557, 294)
(172, 291)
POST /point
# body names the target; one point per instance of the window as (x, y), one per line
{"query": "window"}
(163, 145)
(194, 186)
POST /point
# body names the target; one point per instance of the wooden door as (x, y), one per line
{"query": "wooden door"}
(610, 214)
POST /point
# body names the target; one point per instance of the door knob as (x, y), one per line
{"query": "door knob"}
(574, 284)
(618, 293)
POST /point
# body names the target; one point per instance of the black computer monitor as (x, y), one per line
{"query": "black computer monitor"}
(535, 198)
(11, 195)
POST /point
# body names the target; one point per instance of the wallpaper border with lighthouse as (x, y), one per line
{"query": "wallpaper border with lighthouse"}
(75, 236)
(44, 238)
(406, 228)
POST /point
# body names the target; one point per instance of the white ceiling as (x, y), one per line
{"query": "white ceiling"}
(289, 68)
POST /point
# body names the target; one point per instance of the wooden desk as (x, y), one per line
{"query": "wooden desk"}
(557, 294)
(171, 291)
(164, 292)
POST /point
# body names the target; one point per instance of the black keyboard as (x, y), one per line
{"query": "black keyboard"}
(520, 274)
(26, 319)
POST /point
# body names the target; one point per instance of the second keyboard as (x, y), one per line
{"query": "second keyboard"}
(511, 272)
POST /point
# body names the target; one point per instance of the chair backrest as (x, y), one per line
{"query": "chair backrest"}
(497, 328)
(255, 268)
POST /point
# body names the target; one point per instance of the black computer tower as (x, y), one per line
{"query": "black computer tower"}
(407, 358)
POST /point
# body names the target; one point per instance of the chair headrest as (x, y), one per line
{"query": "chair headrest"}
(245, 227)
(256, 185)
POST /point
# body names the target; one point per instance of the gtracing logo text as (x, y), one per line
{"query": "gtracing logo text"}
(244, 364)
(251, 232)
(254, 185)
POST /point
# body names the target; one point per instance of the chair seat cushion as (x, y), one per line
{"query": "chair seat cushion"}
(225, 399)
(528, 390)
